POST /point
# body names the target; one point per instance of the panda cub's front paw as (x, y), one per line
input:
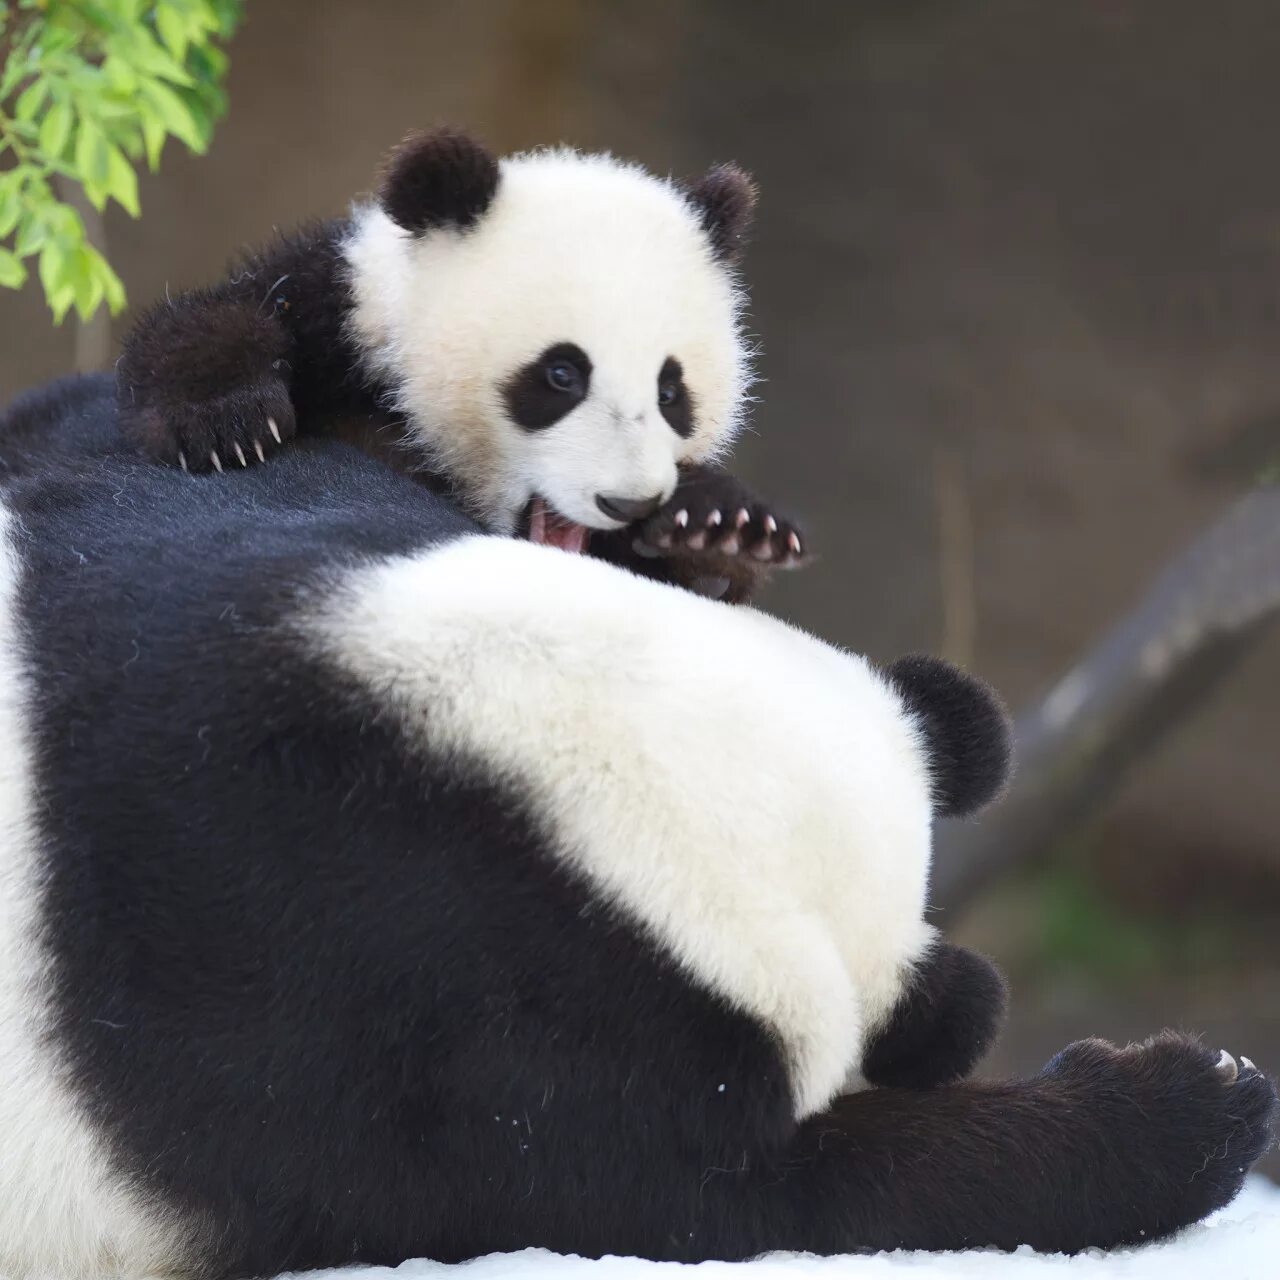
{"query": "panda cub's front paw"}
(229, 431)
(713, 521)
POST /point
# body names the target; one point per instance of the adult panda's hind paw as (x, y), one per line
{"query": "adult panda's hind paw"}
(1179, 1126)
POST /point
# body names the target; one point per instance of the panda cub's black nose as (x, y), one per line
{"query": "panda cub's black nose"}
(627, 509)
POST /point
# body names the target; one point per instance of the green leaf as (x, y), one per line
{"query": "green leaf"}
(174, 115)
(121, 77)
(122, 182)
(96, 193)
(153, 135)
(31, 99)
(32, 234)
(147, 54)
(10, 209)
(55, 272)
(173, 31)
(91, 153)
(60, 301)
(112, 287)
(87, 280)
(13, 274)
(55, 129)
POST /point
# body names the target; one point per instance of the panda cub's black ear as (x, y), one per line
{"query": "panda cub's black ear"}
(966, 731)
(725, 199)
(441, 178)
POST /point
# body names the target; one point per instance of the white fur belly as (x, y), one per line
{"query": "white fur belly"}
(754, 797)
(63, 1211)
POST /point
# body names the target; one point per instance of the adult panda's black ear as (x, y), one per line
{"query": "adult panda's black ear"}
(441, 178)
(965, 728)
(725, 200)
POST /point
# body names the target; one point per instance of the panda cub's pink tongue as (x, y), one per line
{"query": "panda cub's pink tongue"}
(553, 530)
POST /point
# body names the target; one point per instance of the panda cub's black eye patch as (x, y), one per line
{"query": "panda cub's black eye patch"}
(674, 401)
(553, 384)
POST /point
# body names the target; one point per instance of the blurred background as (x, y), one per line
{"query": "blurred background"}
(1016, 275)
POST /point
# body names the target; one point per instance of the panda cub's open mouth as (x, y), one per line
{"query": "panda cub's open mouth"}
(545, 525)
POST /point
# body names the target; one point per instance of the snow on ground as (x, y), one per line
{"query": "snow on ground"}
(1241, 1242)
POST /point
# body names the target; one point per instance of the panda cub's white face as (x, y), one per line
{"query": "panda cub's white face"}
(563, 344)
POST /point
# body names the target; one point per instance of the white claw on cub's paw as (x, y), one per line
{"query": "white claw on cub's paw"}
(741, 518)
(1226, 1067)
(217, 461)
(714, 519)
(1246, 1064)
(257, 448)
(793, 544)
(275, 431)
(182, 461)
(240, 456)
(682, 518)
(770, 525)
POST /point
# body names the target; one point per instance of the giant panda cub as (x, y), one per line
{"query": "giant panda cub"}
(358, 902)
(554, 338)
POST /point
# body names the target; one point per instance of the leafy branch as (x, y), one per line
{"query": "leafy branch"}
(88, 89)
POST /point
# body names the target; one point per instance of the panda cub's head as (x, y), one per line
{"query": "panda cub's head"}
(559, 330)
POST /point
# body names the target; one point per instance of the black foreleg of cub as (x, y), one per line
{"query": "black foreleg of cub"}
(943, 1024)
(220, 377)
(713, 536)
(1106, 1147)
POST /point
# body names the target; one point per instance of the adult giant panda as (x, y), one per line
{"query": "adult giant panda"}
(372, 887)
(554, 338)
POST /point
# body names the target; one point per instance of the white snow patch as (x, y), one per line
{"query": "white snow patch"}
(1241, 1242)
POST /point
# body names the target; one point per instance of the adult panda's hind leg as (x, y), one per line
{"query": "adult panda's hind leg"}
(1106, 1147)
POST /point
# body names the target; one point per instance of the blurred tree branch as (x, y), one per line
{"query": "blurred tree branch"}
(1075, 747)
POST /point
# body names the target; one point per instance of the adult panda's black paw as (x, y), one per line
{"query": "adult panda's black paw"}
(1182, 1123)
(719, 532)
(201, 385)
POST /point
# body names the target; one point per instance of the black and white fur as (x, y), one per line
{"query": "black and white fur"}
(358, 902)
(552, 328)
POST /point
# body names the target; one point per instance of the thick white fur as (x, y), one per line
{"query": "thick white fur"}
(63, 1210)
(758, 799)
(575, 248)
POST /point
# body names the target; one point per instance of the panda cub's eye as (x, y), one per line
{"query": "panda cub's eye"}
(562, 376)
(675, 401)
